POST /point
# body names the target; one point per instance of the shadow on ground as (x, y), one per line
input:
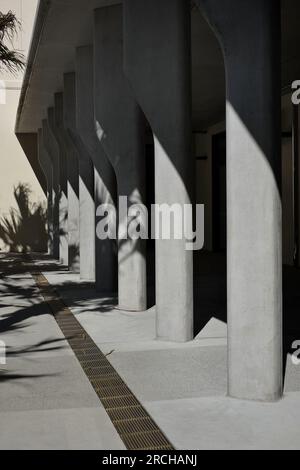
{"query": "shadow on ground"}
(210, 297)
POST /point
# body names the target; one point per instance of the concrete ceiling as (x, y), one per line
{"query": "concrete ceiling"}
(69, 24)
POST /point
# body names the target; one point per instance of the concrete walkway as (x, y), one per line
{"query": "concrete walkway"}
(182, 386)
(46, 401)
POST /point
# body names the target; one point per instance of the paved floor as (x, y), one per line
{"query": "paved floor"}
(183, 387)
(46, 401)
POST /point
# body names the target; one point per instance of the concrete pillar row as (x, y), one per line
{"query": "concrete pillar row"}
(46, 165)
(104, 177)
(53, 153)
(249, 33)
(55, 120)
(87, 229)
(157, 64)
(121, 130)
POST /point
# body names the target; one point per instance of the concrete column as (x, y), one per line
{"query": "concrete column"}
(53, 152)
(157, 64)
(121, 130)
(87, 228)
(55, 119)
(105, 180)
(46, 165)
(249, 33)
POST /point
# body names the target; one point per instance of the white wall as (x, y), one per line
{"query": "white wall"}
(14, 167)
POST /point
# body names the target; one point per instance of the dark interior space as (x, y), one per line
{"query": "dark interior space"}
(150, 200)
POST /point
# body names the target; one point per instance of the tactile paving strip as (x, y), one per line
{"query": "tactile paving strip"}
(135, 426)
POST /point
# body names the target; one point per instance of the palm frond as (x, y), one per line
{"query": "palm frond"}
(9, 26)
(12, 60)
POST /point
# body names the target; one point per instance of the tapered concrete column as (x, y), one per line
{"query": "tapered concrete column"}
(87, 228)
(157, 64)
(55, 120)
(249, 33)
(105, 180)
(53, 153)
(46, 165)
(121, 130)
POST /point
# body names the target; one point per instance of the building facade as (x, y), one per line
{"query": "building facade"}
(174, 102)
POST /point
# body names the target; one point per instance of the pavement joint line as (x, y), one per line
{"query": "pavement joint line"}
(142, 433)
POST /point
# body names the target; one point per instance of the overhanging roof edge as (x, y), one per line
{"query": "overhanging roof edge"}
(39, 23)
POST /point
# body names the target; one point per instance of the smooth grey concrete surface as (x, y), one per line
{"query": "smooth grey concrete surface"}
(53, 152)
(183, 385)
(193, 372)
(166, 102)
(105, 180)
(71, 429)
(87, 226)
(254, 214)
(53, 116)
(50, 391)
(114, 328)
(46, 401)
(87, 222)
(193, 369)
(121, 131)
(47, 167)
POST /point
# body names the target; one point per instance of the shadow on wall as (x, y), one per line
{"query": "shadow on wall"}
(24, 230)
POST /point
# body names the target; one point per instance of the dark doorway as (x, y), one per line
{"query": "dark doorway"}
(210, 293)
(219, 192)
